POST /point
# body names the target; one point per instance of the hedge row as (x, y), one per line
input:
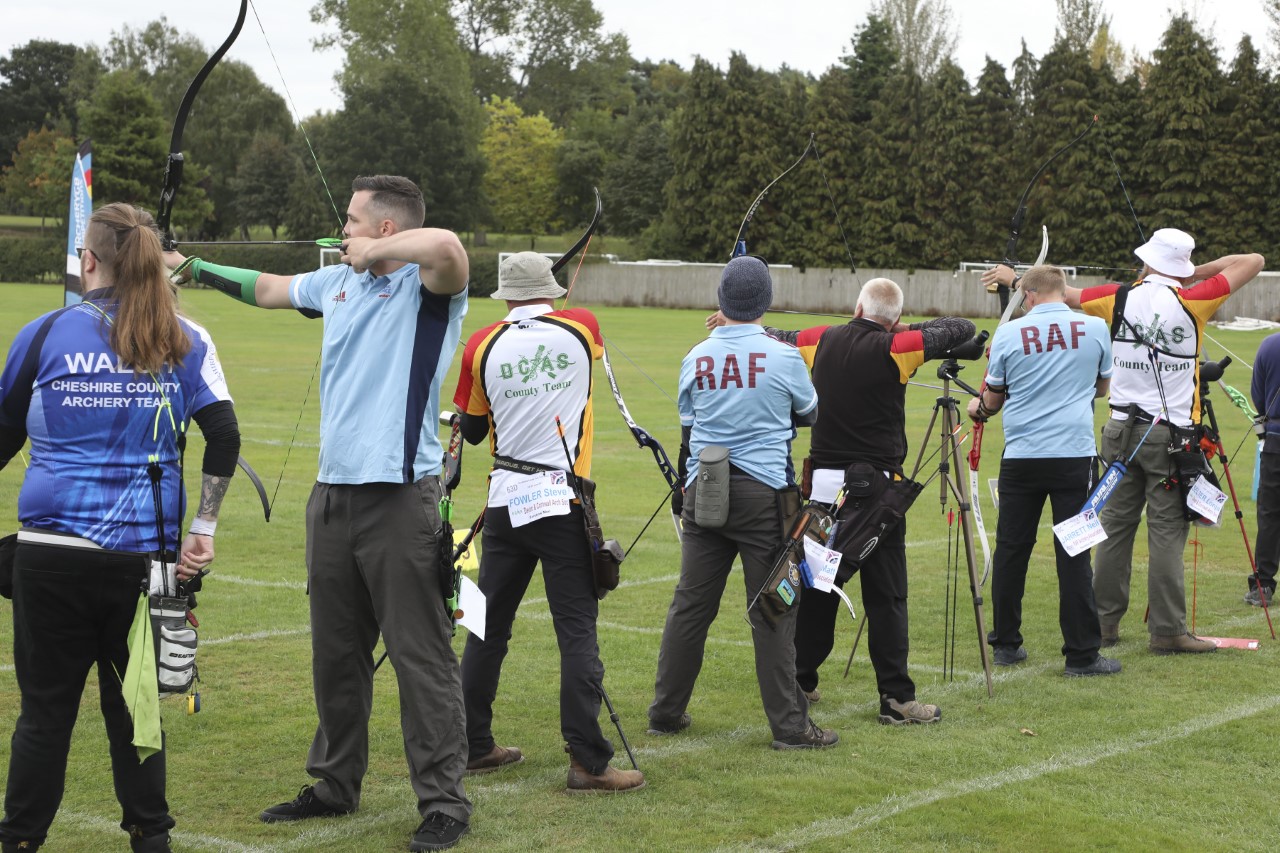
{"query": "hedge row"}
(41, 259)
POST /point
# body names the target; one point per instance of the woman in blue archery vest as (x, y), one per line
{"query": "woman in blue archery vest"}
(103, 390)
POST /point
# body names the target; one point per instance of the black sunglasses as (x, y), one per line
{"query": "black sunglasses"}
(80, 250)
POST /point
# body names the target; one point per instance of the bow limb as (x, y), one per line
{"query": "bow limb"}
(645, 440)
(257, 484)
(583, 240)
(740, 242)
(173, 167)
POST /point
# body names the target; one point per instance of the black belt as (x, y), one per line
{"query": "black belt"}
(519, 466)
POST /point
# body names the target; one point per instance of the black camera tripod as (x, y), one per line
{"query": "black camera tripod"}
(946, 409)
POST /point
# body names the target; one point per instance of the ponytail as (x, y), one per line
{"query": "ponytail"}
(146, 333)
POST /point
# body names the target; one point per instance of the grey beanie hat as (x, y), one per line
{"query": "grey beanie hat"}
(526, 275)
(746, 291)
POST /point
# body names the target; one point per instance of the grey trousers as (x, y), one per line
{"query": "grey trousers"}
(1166, 532)
(373, 566)
(753, 532)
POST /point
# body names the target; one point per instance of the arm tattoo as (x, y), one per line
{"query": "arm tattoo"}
(212, 491)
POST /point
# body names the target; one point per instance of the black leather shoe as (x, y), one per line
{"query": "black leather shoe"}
(301, 807)
(438, 832)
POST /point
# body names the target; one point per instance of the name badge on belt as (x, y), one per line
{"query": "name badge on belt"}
(536, 496)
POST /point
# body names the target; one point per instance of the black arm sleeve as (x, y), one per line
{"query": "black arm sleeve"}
(11, 441)
(943, 333)
(806, 420)
(787, 337)
(474, 427)
(221, 430)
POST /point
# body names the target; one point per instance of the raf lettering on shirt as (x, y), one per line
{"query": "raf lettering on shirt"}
(708, 377)
(1054, 338)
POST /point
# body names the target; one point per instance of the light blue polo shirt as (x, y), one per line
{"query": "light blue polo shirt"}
(1050, 361)
(387, 345)
(738, 389)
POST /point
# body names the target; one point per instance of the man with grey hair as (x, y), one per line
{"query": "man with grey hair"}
(860, 371)
(518, 376)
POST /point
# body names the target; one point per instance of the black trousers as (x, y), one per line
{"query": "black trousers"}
(72, 608)
(1268, 544)
(883, 576)
(507, 562)
(1024, 485)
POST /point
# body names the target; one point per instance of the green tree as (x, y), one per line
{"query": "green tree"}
(1238, 220)
(39, 179)
(922, 31)
(891, 235)
(520, 181)
(944, 165)
(261, 184)
(408, 105)
(35, 91)
(633, 181)
(129, 138)
(232, 109)
(997, 171)
(1182, 100)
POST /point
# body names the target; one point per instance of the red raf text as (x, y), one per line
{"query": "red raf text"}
(1053, 339)
(730, 373)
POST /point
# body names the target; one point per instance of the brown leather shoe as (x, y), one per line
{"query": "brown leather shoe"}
(611, 781)
(1187, 643)
(498, 757)
(1110, 635)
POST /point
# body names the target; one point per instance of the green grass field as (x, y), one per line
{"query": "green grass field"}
(1172, 754)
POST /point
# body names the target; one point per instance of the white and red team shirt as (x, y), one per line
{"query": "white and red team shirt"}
(523, 372)
(1171, 319)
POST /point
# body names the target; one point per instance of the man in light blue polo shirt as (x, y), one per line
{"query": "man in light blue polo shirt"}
(743, 391)
(377, 557)
(1045, 371)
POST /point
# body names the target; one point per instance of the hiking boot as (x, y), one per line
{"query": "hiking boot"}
(1100, 666)
(496, 759)
(1187, 643)
(814, 696)
(1008, 655)
(139, 843)
(301, 807)
(895, 713)
(811, 738)
(611, 781)
(1110, 635)
(438, 832)
(670, 727)
(1257, 599)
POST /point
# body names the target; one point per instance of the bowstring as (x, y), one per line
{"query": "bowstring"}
(297, 118)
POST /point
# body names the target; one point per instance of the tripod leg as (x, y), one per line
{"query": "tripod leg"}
(854, 650)
(617, 721)
(958, 488)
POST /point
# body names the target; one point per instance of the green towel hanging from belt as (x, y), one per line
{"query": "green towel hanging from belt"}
(140, 687)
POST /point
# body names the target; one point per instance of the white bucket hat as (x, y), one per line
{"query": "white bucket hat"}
(526, 275)
(1169, 252)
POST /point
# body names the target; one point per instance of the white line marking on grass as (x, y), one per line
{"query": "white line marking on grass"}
(106, 826)
(1086, 757)
(6, 668)
(545, 615)
(258, 635)
(242, 581)
(623, 585)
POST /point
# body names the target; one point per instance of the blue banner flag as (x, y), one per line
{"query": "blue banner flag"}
(78, 219)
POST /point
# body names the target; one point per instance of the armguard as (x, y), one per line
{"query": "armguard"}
(235, 282)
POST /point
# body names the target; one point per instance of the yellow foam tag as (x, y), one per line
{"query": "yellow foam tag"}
(471, 556)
